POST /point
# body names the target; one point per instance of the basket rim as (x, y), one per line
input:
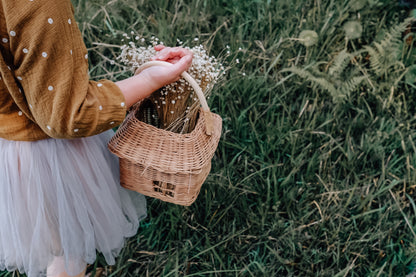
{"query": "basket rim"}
(138, 156)
(202, 116)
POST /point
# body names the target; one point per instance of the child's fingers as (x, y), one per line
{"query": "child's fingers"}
(177, 68)
(171, 54)
(159, 47)
(183, 64)
(165, 54)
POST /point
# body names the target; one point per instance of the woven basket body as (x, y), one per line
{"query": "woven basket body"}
(162, 164)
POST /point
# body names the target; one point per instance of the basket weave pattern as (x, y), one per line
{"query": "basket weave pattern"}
(163, 164)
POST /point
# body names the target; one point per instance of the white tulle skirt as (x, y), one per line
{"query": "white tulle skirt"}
(62, 198)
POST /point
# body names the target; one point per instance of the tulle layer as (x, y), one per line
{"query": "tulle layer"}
(63, 198)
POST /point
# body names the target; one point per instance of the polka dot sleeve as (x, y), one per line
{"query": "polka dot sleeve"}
(50, 66)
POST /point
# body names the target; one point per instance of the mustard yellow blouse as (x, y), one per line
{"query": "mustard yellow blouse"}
(45, 89)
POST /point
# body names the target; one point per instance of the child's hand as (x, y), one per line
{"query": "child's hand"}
(170, 54)
(180, 58)
(153, 78)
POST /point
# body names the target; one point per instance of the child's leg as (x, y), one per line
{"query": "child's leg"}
(63, 274)
(57, 269)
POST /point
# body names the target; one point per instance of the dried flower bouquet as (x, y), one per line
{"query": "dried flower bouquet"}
(175, 106)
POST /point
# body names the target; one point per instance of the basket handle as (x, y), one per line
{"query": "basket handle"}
(204, 105)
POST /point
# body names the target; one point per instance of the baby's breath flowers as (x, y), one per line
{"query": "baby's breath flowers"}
(176, 105)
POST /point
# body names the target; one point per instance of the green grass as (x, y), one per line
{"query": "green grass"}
(306, 181)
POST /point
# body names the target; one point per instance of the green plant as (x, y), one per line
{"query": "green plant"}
(315, 174)
(340, 78)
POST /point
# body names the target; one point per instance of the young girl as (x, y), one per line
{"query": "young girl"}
(60, 198)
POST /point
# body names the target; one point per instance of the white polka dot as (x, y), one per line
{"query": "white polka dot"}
(69, 21)
(19, 78)
(20, 113)
(44, 54)
(9, 67)
(100, 108)
(76, 130)
(99, 85)
(86, 56)
(122, 104)
(13, 33)
(50, 20)
(25, 50)
(49, 127)
(70, 51)
(50, 88)
(5, 40)
(30, 106)
(112, 122)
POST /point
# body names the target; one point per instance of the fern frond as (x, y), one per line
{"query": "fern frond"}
(385, 54)
(351, 85)
(396, 31)
(300, 72)
(376, 59)
(324, 84)
(341, 61)
(321, 82)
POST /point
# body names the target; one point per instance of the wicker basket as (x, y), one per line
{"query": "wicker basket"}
(162, 164)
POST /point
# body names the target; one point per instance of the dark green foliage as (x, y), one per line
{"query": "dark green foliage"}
(315, 171)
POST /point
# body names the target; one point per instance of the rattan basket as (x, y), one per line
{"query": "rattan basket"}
(162, 164)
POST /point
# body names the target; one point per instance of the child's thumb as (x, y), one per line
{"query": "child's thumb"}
(184, 63)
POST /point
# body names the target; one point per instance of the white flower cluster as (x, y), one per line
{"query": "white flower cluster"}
(176, 103)
(204, 69)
